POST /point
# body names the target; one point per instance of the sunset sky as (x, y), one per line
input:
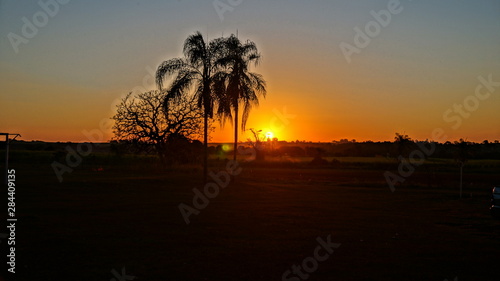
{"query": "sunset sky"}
(423, 64)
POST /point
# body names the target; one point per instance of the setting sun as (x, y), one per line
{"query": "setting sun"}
(269, 135)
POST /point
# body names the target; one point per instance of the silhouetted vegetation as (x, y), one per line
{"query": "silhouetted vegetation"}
(482, 157)
(143, 126)
(237, 83)
(216, 74)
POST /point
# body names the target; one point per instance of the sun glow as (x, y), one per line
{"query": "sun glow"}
(269, 135)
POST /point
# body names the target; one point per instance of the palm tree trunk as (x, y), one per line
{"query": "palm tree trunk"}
(235, 131)
(205, 145)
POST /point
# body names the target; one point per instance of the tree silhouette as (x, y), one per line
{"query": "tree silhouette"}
(196, 69)
(241, 86)
(141, 122)
(257, 143)
(403, 144)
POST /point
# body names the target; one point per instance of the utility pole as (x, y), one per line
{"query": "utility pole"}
(7, 141)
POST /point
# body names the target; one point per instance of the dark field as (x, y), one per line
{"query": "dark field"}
(264, 222)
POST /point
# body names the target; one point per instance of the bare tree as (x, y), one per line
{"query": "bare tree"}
(257, 143)
(142, 121)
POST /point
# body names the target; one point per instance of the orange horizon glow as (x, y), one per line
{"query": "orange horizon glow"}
(413, 78)
(301, 127)
(267, 119)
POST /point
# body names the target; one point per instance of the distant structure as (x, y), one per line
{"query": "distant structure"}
(7, 141)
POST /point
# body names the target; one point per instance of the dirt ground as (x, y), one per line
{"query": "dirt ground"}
(263, 223)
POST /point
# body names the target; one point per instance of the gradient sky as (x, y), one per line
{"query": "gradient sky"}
(71, 73)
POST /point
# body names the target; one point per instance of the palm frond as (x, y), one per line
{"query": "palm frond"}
(221, 98)
(182, 82)
(195, 49)
(168, 68)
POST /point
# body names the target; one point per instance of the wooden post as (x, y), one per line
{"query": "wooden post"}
(7, 141)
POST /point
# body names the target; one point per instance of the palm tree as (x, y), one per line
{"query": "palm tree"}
(403, 144)
(196, 69)
(242, 86)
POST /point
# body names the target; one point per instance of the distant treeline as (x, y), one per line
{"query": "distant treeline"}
(484, 150)
(385, 149)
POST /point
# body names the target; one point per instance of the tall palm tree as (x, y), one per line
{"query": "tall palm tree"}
(196, 69)
(242, 86)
